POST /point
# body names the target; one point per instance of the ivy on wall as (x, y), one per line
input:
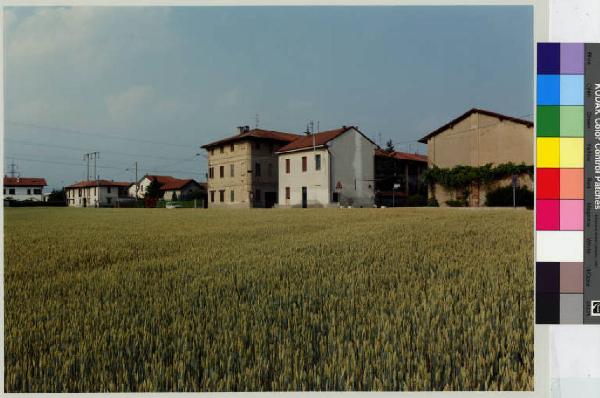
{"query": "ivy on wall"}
(462, 178)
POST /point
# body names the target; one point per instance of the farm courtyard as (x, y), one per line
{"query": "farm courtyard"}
(236, 300)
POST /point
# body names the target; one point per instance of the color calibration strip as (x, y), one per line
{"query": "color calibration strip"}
(563, 279)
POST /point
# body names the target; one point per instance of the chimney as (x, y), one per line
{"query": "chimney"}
(243, 129)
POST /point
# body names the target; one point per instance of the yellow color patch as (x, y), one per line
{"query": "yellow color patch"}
(548, 152)
(571, 152)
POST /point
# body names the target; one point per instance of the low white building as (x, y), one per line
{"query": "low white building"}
(332, 168)
(16, 188)
(98, 193)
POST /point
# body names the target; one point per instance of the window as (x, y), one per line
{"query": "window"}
(317, 162)
(231, 169)
(212, 196)
(28, 191)
(11, 191)
(270, 170)
(232, 147)
(37, 191)
(257, 196)
(222, 149)
(5, 191)
(211, 172)
(303, 163)
(222, 195)
(109, 200)
(336, 197)
(232, 196)
(287, 192)
(108, 190)
(257, 169)
(221, 171)
(287, 166)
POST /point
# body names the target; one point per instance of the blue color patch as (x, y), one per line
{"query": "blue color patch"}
(548, 90)
(571, 89)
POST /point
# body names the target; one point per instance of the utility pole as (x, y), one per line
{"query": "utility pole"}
(96, 156)
(93, 156)
(136, 181)
(13, 169)
(86, 157)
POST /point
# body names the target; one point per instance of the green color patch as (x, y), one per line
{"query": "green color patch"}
(571, 121)
(548, 121)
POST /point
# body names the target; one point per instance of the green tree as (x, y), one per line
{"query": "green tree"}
(57, 196)
(389, 146)
(153, 190)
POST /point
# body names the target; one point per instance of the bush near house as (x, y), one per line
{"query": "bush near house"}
(503, 197)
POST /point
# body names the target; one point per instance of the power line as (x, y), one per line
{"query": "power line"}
(79, 132)
(22, 142)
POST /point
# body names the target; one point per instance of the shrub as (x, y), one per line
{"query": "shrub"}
(432, 202)
(455, 203)
(503, 197)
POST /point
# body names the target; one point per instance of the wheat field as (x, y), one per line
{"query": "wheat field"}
(267, 300)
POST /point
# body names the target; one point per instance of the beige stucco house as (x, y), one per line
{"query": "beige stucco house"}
(242, 169)
(330, 168)
(476, 138)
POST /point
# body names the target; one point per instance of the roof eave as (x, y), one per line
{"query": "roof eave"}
(307, 148)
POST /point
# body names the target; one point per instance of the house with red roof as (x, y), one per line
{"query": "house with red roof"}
(329, 168)
(172, 188)
(24, 188)
(243, 168)
(97, 193)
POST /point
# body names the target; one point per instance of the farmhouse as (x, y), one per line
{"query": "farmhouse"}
(476, 138)
(398, 177)
(330, 168)
(97, 193)
(16, 188)
(172, 188)
(242, 169)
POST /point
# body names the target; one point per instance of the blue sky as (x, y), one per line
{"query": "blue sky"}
(152, 84)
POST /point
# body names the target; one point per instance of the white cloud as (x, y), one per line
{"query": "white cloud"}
(60, 60)
(132, 101)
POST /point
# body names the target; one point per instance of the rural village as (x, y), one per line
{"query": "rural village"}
(472, 158)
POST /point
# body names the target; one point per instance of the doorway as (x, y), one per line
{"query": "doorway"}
(270, 199)
(304, 198)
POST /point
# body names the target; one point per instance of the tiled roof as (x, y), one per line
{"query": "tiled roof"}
(402, 155)
(465, 115)
(169, 183)
(256, 133)
(317, 139)
(24, 182)
(99, 183)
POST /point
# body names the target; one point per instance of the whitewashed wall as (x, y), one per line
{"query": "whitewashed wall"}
(352, 164)
(315, 181)
(21, 193)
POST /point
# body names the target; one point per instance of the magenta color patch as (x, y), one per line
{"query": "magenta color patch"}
(571, 215)
(547, 215)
